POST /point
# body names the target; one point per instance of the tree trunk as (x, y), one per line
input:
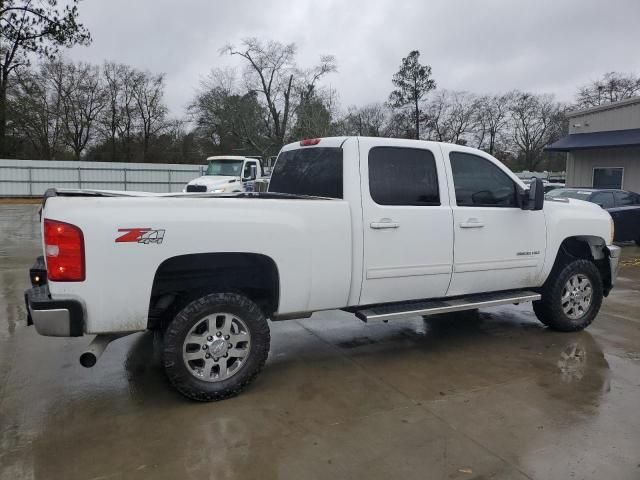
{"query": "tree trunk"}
(417, 114)
(113, 127)
(145, 147)
(3, 116)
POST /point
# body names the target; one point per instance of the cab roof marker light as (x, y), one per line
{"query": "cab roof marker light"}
(307, 142)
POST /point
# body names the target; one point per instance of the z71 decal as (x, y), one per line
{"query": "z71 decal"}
(140, 235)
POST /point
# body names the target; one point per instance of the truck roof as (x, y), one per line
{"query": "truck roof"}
(226, 157)
(338, 141)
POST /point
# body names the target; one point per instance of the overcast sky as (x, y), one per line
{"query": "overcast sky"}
(482, 46)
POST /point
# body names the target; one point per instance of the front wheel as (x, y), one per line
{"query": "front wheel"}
(216, 346)
(571, 297)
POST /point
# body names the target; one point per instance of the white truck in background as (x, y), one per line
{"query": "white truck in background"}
(227, 174)
(383, 228)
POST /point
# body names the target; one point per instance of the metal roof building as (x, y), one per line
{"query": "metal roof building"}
(603, 146)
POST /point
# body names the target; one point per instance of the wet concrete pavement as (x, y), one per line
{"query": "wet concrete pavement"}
(477, 395)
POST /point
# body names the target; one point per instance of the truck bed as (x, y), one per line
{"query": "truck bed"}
(309, 241)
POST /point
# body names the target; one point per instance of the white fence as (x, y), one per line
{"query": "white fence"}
(26, 178)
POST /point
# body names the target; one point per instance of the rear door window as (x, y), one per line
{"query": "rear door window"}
(604, 199)
(403, 176)
(626, 198)
(313, 171)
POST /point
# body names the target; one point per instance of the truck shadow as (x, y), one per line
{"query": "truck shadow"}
(346, 372)
(502, 343)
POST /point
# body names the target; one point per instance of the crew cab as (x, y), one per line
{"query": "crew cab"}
(382, 228)
(227, 174)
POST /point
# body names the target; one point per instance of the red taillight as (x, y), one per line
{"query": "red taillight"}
(64, 249)
(309, 141)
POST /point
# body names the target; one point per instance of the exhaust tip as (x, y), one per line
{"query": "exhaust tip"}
(96, 348)
(88, 359)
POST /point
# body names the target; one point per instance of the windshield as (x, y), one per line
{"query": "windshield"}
(227, 168)
(577, 194)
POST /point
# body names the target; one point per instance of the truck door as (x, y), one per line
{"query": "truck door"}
(247, 183)
(498, 246)
(407, 221)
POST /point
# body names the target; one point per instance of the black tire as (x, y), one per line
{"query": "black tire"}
(549, 308)
(177, 371)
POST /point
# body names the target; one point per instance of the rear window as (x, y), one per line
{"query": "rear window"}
(577, 194)
(309, 171)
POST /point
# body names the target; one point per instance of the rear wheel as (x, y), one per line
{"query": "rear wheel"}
(216, 346)
(571, 297)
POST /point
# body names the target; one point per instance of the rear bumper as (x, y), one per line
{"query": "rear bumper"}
(54, 318)
(614, 261)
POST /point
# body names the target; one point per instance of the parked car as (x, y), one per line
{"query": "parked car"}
(226, 174)
(382, 228)
(623, 206)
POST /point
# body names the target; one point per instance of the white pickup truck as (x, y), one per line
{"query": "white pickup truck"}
(227, 174)
(383, 228)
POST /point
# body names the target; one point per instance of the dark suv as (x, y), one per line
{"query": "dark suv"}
(623, 206)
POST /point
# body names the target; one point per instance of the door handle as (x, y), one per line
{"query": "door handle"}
(384, 223)
(472, 223)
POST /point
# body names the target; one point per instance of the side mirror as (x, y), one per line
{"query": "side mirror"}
(534, 197)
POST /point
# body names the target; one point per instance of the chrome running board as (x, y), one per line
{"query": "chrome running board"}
(393, 311)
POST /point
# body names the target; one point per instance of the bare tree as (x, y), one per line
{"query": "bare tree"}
(368, 121)
(536, 119)
(492, 120)
(450, 116)
(83, 98)
(306, 84)
(115, 76)
(33, 27)
(148, 92)
(400, 124)
(462, 117)
(37, 108)
(229, 118)
(612, 87)
(271, 71)
(128, 115)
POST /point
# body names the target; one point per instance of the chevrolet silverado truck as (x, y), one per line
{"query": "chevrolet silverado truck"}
(382, 228)
(227, 174)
